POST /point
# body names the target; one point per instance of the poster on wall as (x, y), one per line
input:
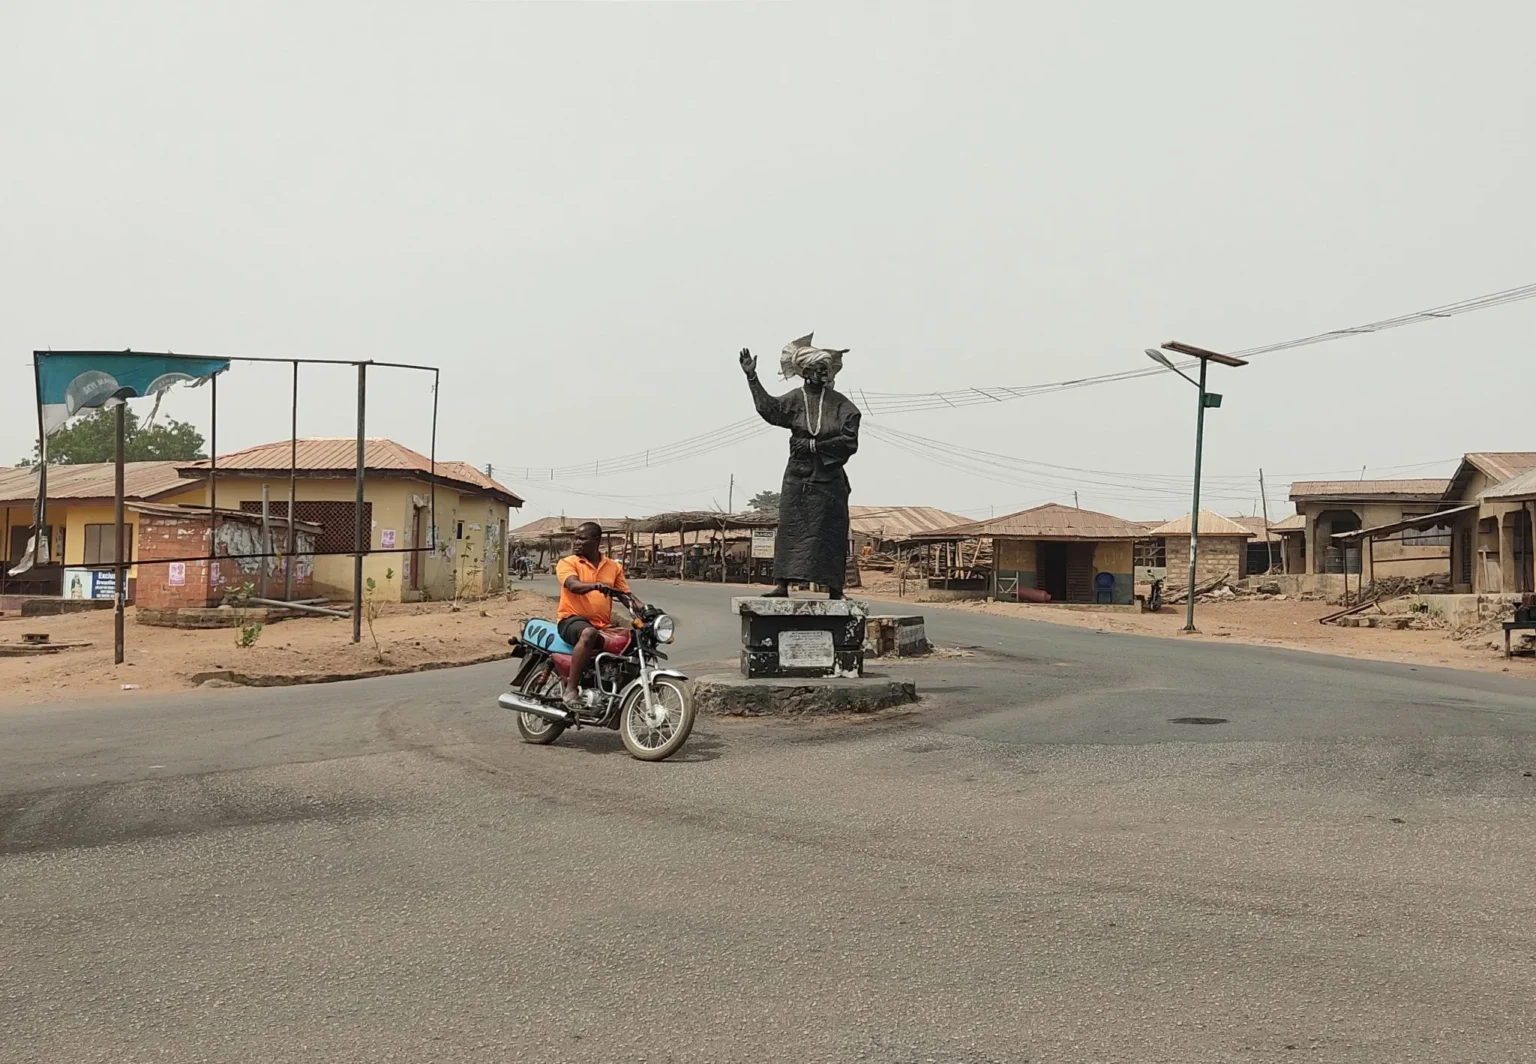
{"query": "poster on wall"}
(89, 583)
(387, 539)
(762, 542)
(176, 574)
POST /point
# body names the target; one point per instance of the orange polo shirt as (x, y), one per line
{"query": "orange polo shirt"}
(594, 606)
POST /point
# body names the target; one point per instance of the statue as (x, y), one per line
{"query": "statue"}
(812, 541)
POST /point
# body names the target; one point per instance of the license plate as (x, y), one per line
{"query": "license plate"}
(804, 650)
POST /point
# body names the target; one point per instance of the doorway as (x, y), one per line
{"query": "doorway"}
(1065, 570)
(1051, 569)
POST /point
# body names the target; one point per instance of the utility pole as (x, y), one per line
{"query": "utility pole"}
(1074, 501)
(730, 499)
(1268, 542)
(119, 566)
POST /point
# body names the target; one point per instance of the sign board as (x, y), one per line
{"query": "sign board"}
(89, 583)
(176, 574)
(1145, 574)
(762, 542)
(802, 650)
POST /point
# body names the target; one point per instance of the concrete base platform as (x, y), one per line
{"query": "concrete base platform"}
(727, 695)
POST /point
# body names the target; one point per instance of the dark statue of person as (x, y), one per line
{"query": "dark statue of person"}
(812, 541)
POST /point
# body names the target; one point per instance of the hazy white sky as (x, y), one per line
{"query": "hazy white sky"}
(581, 211)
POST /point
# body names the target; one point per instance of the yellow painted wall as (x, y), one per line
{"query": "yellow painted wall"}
(1113, 556)
(21, 517)
(472, 565)
(75, 516)
(458, 564)
(333, 573)
(1014, 555)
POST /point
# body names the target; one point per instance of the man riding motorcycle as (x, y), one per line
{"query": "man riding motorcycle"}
(589, 582)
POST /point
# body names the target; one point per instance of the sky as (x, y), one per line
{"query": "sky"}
(581, 211)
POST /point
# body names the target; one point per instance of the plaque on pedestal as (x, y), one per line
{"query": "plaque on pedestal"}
(801, 637)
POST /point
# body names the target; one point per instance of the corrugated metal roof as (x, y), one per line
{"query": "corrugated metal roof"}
(337, 455)
(1293, 523)
(1360, 489)
(899, 522)
(1211, 524)
(93, 480)
(1051, 521)
(1521, 487)
(1257, 527)
(564, 526)
(1503, 465)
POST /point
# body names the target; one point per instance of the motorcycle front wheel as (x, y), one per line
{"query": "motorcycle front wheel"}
(655, 730)
(545, 683)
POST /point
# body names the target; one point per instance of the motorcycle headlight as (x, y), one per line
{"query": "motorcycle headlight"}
(664, 627)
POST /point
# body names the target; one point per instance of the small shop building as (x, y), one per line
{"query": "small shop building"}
(1073, 555)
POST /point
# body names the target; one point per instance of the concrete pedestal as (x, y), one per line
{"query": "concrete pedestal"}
(732, 696)
(803, 638)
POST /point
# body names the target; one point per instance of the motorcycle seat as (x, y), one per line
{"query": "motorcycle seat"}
(545, 635)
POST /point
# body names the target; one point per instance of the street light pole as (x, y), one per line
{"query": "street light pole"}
(1194, 520)
(1203, 399)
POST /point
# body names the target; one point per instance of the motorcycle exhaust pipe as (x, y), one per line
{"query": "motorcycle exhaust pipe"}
(518, 704)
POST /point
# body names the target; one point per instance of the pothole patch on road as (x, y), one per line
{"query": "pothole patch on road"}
(1197, 720)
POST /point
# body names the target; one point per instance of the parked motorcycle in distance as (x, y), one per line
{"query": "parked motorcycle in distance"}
(623, 689)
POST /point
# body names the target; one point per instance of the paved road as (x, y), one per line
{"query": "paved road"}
(1035, 866)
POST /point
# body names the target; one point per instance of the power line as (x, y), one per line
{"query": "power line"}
(885, 403)
(1059, 481)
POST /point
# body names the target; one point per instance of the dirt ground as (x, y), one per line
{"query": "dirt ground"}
(1289, 623)
(410, 637)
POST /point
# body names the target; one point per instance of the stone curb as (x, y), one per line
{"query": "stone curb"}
(242, 679)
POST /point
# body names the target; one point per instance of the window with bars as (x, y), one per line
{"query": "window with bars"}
(1150, 553)
(336, 521)
(1433, 536)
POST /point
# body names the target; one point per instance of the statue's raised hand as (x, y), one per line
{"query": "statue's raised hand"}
(748, 363)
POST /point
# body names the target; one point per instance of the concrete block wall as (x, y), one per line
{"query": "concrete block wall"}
(1218, 554)
(185, 537)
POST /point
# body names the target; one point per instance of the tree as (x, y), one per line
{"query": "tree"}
(764, 500)
(94, 439)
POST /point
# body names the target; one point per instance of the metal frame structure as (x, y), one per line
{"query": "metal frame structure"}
(359, 547)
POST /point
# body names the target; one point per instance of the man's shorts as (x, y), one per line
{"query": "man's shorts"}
(571, 628)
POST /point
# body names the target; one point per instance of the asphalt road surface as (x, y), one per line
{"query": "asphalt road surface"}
(1034, 865)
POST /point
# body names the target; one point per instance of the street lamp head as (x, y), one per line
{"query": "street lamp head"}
(1157, 356)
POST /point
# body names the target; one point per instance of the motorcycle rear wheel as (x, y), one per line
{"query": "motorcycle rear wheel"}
(651, 739)
(544, 682)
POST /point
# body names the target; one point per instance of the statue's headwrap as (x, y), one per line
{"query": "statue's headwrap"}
(799, 354)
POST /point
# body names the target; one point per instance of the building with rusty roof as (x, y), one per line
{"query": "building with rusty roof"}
(881, 528)
(1223, 548)
(81, 523)
(410, 559)
(1071, 554)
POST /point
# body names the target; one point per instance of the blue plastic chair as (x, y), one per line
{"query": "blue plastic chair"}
(1104, 588)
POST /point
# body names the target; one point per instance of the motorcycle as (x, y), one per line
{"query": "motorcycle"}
(623, 689)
